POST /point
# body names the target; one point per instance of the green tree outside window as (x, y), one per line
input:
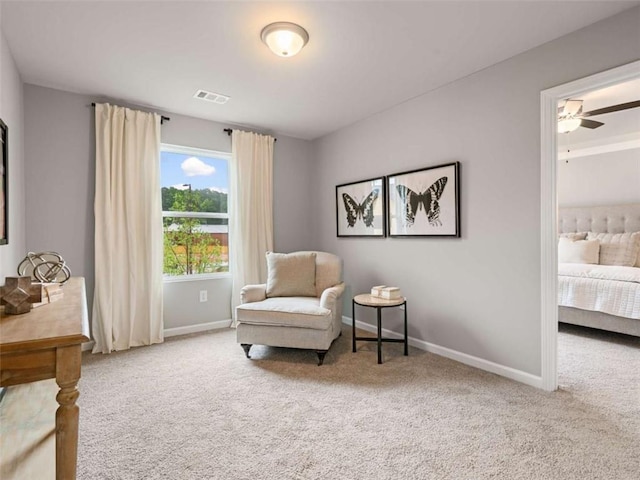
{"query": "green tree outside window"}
(190, 247)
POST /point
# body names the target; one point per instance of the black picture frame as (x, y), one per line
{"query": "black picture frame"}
(424, 202)
(4, 183)
(361, 208)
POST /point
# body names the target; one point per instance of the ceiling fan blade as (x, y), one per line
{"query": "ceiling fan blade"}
(584, 122)
(612, 108)
(571, 108)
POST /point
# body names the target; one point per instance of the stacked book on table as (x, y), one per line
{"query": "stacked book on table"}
(388, 293)
(51, 292)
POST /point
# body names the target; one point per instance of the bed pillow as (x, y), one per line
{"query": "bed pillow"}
(620, 249)
(291, 274)
(578, 251)
(635, 238)
(574, 235)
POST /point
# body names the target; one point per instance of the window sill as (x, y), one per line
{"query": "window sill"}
(195, 278)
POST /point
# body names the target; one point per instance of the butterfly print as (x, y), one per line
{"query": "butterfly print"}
(362, 210)
(413, 202)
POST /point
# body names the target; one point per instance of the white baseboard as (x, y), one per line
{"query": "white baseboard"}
(201, 327)
(174, 332)
(482, 364)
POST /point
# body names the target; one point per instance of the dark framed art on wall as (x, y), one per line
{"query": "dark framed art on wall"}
(360, 208)
(4, 184)
(425, 202)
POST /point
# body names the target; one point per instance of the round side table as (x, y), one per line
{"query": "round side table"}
(367, 300)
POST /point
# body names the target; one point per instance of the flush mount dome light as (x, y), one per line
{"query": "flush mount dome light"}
(285, 39)
(568, 125)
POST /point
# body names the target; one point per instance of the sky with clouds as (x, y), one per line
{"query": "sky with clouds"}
(199, 171)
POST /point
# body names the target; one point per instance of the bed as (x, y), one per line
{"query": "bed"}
(594, 294)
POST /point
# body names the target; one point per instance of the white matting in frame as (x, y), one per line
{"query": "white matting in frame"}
(425, 202)
(360, 208)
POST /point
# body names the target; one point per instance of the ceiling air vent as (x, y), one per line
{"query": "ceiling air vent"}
(211, 97)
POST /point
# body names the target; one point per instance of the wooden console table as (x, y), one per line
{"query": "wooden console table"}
(47, 343)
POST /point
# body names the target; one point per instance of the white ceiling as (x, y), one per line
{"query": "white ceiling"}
(362, 57)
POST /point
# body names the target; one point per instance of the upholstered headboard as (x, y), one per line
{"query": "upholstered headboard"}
(603, 219)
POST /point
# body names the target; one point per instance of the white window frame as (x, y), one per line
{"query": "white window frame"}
(171, 148)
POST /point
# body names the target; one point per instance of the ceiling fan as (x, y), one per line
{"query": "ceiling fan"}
(571, 116)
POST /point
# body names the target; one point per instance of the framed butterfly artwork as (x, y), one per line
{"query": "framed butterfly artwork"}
(360, 208)
(425, 202)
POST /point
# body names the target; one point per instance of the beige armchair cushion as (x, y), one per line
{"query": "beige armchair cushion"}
(302, 312)
(291, 274)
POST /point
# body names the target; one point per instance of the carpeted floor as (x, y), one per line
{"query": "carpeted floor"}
(196, 408)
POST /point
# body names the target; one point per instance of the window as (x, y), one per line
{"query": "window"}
(195, 187)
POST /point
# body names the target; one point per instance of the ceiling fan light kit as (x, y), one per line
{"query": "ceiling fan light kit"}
(285, 39)
(568, 125)
(571, 116)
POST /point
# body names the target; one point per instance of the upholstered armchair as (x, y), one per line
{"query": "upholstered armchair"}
(300, 306)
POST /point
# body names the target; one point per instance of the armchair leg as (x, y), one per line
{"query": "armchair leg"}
(321, 354)
(246, 347)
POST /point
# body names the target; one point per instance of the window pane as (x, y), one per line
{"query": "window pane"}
(194, 181)
(195, 246)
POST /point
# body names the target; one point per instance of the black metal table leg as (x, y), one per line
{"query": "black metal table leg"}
(353, 317)
(379, 335)
(406, 335)
(367, 300)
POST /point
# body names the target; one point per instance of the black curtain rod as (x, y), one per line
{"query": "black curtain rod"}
(230, 131)
(162, 117)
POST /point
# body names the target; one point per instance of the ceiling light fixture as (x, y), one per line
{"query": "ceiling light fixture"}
(285, 39)
(568, 125)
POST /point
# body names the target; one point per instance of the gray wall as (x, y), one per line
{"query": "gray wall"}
(605, 179)
(480, 294)
(60, 177)
(11, 113)
(60, 189)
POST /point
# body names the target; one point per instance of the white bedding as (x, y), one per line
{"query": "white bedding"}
(601, 288)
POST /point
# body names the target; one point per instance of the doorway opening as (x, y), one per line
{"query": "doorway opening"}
(549, 205)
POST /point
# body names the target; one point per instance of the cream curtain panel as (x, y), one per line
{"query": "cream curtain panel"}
(127, 303)
(251, 209)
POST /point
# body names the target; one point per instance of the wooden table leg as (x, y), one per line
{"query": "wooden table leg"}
(68, 360)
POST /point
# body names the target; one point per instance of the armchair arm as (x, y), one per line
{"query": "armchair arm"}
(253, 293)
(331, 295)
